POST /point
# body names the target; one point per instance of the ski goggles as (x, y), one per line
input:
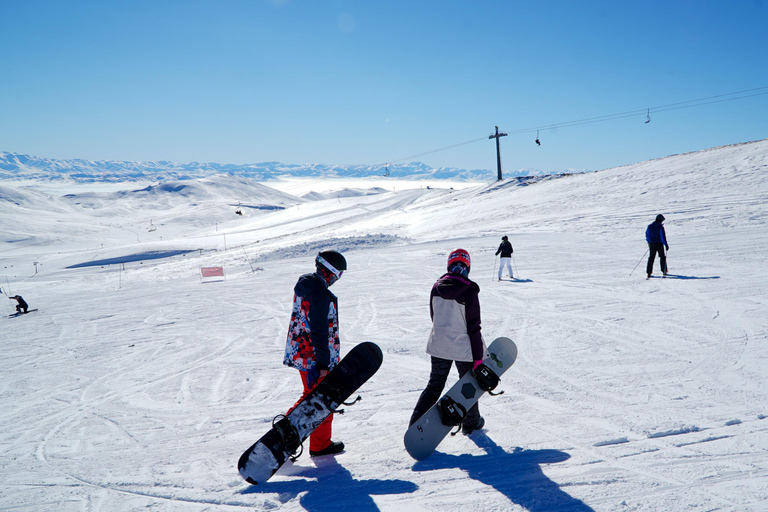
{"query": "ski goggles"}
(337, 273)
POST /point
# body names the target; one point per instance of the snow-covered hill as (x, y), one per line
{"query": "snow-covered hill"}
(136, 385)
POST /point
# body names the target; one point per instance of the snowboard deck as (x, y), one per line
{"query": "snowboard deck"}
(262, 460)
(19, 313)
(423, 437)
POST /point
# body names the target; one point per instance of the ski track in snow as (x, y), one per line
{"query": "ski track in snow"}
(139, 385)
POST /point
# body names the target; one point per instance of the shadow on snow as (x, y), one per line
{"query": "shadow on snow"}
(517, 280)
(150, 255)
(332, 489)
(517, 475)
(676, 276)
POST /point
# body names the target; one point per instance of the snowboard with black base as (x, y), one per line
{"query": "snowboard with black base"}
(284, 441)
(19, 313)
(422, 438)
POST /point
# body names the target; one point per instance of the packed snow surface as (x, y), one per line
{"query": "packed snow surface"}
(137, 384)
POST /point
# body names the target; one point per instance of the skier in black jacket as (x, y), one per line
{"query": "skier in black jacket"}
(657, 242)
(505, 249)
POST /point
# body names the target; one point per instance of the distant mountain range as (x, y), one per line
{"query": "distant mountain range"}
(14, 166)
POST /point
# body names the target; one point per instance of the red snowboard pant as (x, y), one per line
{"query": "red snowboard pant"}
(320, 439)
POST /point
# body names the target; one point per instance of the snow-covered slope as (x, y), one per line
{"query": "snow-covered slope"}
(137, 386)
(57, 221)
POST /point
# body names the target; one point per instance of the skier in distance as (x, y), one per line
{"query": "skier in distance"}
(505, 249)
(313, 346)
(455, 337)
(657, 242)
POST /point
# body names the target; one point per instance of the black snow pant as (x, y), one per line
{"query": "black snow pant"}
(434, 390)
(653, 249)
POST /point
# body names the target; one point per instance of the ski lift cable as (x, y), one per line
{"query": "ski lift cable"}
(645, 111)
(434, 151)
(719, 98)
(304, 184)
(608, 117)
(681, 106)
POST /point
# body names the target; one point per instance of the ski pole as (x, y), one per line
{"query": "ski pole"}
(494, 266)
(638, 263)
(515, 264)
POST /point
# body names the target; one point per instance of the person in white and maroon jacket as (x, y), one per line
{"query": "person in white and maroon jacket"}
(455, 337)
(313, 346)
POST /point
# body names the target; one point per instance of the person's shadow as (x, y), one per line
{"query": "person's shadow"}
(517, 280)
(331, 488)
(517, 474)
(676, 276)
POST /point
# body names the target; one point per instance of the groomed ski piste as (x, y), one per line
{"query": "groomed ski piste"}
(137, 385)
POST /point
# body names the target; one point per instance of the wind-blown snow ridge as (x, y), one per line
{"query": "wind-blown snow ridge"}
(338, 244)
(674, 432)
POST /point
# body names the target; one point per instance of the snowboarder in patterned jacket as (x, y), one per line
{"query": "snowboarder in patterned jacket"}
(313, 345)
(505, 249)
(455, 337)
(657, 242)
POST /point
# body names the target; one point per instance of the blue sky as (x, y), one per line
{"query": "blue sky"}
(369, 82)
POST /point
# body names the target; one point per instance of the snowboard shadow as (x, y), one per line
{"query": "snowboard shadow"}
(329, 487)
(517, 474)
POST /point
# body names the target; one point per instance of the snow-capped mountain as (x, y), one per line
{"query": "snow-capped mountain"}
(14, 166)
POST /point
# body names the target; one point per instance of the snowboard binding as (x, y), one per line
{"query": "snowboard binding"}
(452, 413)
(332, 390)
(289, 435)
(486, 379)
(348, 404)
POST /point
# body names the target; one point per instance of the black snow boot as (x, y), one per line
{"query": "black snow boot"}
(332, 449)
(466, 429)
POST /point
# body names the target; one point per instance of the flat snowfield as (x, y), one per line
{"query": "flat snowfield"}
(137, 384)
